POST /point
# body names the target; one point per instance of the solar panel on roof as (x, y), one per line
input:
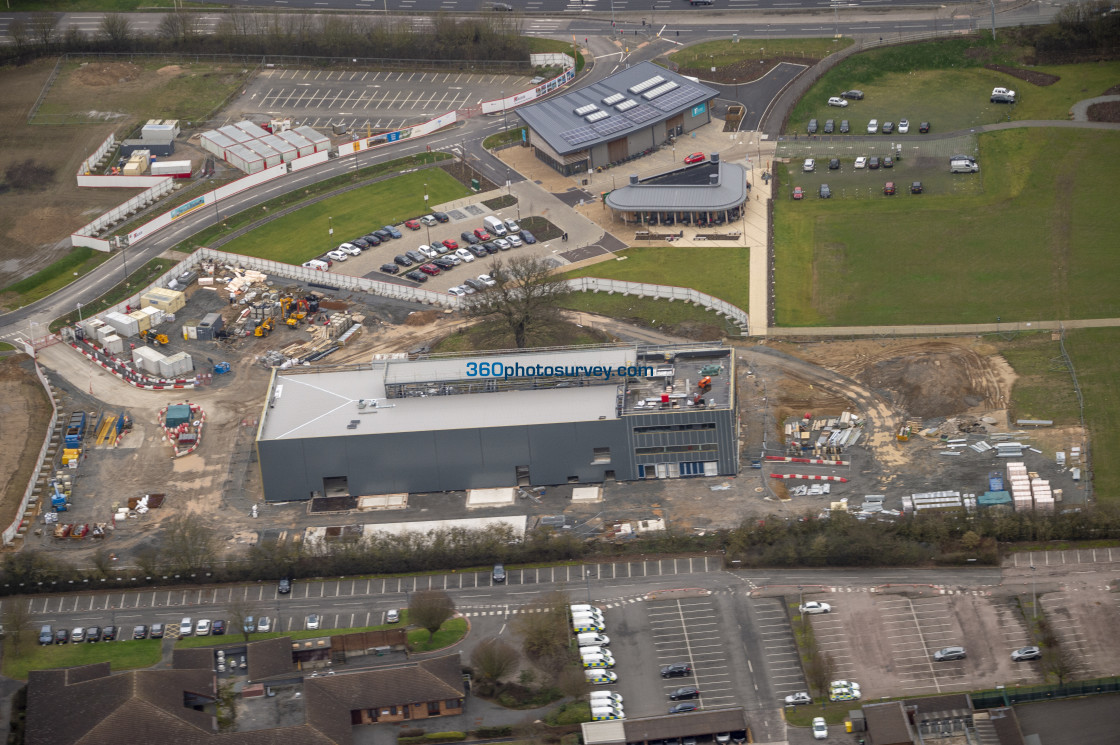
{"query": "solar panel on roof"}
(641, 114)
(676, 99)
(597, 116)
(627, 104)
(583, 110)
(578, 135)
(613, 99)
(645, 85)
(610, 126)
(659, 90)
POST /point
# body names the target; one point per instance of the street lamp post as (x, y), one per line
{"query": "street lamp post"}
(1034, 593)
(79, 312)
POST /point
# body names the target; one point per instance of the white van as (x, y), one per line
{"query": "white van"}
(598, 660)
(584, 609)
(606, 715)
(606, 695)
(601, 677)
(587, 626)
(963, 166)
(494, 225)
(592, 651)
(317, 264)
(593, 640)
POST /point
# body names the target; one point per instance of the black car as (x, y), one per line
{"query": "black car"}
(685, 693)
(441, 217)
(888, 128)
(829, 126)
(383, 234)
(924, 127)
(812, 126)
(285, 584)
(444, 263)
(854, 95)
(468, 238)
(499, 574)
(156, 631)
(888, 162)
(491, 247)
(361, 243)
(62, 636)
(844, 128)
(834, 164)
(683, 707)
(824, 192)
(93, 634)
(676, 670)
(390, 268)
(109, 633)
(402, 260)
(873, 162)
(916, 187)
(218, 627)
(530, 239)
(140, 632)
(416, 276)
(372, 239)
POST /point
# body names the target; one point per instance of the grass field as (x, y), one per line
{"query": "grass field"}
(723, 52)
(538, 45)
(1096, 358)
(1044, 390)
(451, 632)
(1036, 244)
(946, 83)
(80, 261)
(303, 234)
(123, 655)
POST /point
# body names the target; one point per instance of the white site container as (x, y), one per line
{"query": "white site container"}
(176, 365)
(288, 151)
(126, 326)
(320, 141)
(299, 142)
(114, 345)
(147, 360)
(253, 130)
(271, 157)
(244, 159)
(239, 136)
(216, 143)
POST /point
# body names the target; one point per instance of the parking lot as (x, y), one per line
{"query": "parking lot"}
(380, 100)
(783, 665)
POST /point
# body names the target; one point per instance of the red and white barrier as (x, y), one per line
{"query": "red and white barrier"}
(838, 479)
(813, 461)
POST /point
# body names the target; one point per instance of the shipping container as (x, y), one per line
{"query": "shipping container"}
(130, 147)
(125, 325)
(176, 168)
(114, 345)
(253, 130)
(104, 332)
(271, 157)
(287, 150)
(320, 141)
(301, 143)
(176, 365)
(143, 320)
(244, 159)
(169, 301)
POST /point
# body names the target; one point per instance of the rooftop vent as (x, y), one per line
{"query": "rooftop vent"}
(633, 179)
(715, 157)
(713, 179)
(585, 110)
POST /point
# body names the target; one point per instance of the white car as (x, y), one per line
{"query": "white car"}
(512, 226)
(502, 243)
(456, 292)
(820, 729)
(264, 624)
(312, 622)
(837, 101)
(873, 127)
(487, 280)
(809, 166)
(428, 252)
(514, 240)
(799, 699)
(337, 255)
(861, 162)
(813, 607)
(203, 628)
(465, 255)
(351, 249)
(186, 627)
(393, 616)
(903, 126)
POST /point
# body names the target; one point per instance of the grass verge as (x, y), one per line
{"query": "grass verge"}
(123, 655)
(1096, 358)
(453, 630)
(724, 52)
(538, 45)
(139, 278)
(647, 311)
(79, 261)
(503, 138)
(232, 638)
(1043, 390)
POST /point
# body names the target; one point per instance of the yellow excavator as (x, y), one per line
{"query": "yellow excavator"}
(296, 315)
(265, 327)
(154, 337)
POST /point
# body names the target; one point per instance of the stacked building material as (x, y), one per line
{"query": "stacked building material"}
(1020, 485)
(936, 500)
(1043, 497)
(1009, 450)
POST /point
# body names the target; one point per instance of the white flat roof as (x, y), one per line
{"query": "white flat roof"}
(455, 368)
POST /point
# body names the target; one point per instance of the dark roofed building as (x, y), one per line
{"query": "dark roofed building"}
(270, 658)
(888, 723)
(667, 726)
(702, 192)
(618, 117)
(430, 688)
(921, 720)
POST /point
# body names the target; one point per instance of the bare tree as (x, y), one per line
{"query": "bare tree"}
(180, 27)
(240, 610)
(43, 26)
(494, 659)
(1060, 662)
(819, 671)
(17, 622)
(544, 632)
(572, 682)
(428, 609)
(526, 297)
(20, 33)
(117, 29)
(188, 543)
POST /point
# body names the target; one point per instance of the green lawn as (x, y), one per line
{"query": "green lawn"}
(303, 234)
(1043, 389)
(1034, 243)
(122, 654)
(451, 632)
(723, 52)
(720, 272)
(945, 82)
(1096, 358)
(537, 45)
(52, 278)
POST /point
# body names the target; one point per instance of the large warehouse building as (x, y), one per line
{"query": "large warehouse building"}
(619, 117)
(533, 418)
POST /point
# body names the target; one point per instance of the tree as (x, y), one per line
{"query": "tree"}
(43, 26)
(494, 659)
(1060, 662)
(240, 610)
(428, 609)
(20, 33)
(819, 672)
(17, 622)
(544, 632)
(117, 29)
(526, 297)
(180, 27)
(188, 543)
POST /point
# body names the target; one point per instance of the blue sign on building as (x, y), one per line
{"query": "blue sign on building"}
(699, 109)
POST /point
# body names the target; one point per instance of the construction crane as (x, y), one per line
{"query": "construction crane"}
(264, 328)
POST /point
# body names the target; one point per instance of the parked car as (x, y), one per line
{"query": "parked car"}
(337, 255)
(456, 291)
(46, 636)
(799, 699)
(464, 255)
(402, 260)
(417, 276)
(156, 631)
(888, 128)
(854, 95)
(844, 127)
(861, 162)
(393, 616)
(888, 189)
(468, 238)
(798, 193)
(441, 217)
(829, 126)
(218, 628)
(412, 224)
(427, 252)
(824, 192)
(502, 244)
(393, 232)
(450, 245)
(490, 247)
(264, 624)
(362, 243)
(429, 220)
(683, 707)
(949, 653)
(676, 670)
(924, 128)
(186, 627)
(479, 251)
(837, 101)
(498, 575)
(873, 162)
(351, 249)
(528, 237)
(684, 693)
(834, 164)
(809, 165)
(487, 280)
(62, 636)
(916, 187)
(430, 269)
(249, 625)
(140, 632)
(203, 628)
(390, 268)
(311, 623)
(820, 728)
(903, 126)
(474, 284)
(888, 162)
(77, 635)
(446, 262)
(481, 234)
(93, 634)
(109, 633)
(284, 586)
(873, 127)
(514, 240)
(812, 128)
(694, 158)
(1026, 653)
(512, 226)
(372, 239)
(813, 607)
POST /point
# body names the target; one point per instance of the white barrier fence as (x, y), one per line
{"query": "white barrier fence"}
(91, 162)
(664, 292)
(505, 104)
(86, 236)
(10, 532)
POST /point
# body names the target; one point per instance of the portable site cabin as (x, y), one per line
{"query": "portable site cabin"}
(176, 365)
(301, 143)
(287, 150)
(125, 325)
(256, 131)
(243, 158)
(143, 320)
(216, 143)
(160, 131)
(270, 156)
(169, 301)
(177, 414)
(239, 136)
(320, 141)
(146, 360)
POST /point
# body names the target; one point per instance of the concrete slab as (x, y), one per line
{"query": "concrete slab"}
(503, 497)
(587, 494)
(383, 502)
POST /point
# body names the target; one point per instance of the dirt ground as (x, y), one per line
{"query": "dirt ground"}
(25, 412)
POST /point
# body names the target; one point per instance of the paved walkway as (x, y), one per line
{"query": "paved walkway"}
(1080, 110)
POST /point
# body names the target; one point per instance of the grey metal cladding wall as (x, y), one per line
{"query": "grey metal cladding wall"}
(284, 472)
(561, 450)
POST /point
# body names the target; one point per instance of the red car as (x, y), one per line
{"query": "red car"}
(481, 234)
(889, 188)
(695, 158)
(412, 224)
(798, 193)
(431, 269)
(450, 245)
